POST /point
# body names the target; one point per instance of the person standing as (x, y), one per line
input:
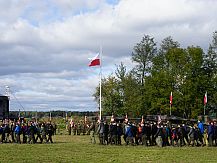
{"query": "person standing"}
(210, 133)
(55, 128)
(144, 134)
(159, 136)
(92, 133)
(105, 133)
(153, 133)
(43, 132)
(49, 132)
(79, 128)
(119, 133)
(18, 132)
(69, 128)
(215, 133)
(100, 132)
(24, 132)
(180, 136)
(74, 129)
(191, 135)
(31, 133)
(38, 133)
(139, 134)
(129, 134)
(113, 133)
(13, 126)
(185, 134)
(201, 132)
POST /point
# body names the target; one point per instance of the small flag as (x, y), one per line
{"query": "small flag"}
(205, 99)
(171, 98)
(95, 61)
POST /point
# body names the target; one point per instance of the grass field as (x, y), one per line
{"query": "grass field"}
(78, 149)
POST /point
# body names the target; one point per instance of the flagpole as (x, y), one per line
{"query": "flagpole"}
(171, 99)
(205, 101)
(100, 85)
(204, 110)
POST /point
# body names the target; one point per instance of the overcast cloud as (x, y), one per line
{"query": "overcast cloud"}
(45, 44)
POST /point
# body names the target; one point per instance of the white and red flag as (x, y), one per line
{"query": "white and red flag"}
(95, 61)
(205, 99)
(171, 98)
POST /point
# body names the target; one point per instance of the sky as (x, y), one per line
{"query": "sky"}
(45, 44)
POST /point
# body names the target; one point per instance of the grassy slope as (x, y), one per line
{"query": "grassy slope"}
(78, 149)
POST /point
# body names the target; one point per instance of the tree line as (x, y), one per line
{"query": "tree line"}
(57, 113)
(159, 70)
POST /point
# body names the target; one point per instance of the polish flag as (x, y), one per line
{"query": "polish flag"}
(205, 99)
(171, 98)
(95, 61)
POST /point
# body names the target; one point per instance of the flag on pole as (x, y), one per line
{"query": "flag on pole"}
(171, 98)
(95, 61)
(205, 99)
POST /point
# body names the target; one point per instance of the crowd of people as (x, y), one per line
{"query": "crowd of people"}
(26, 132)
(154, 133)
(147, 133)
(79, 128)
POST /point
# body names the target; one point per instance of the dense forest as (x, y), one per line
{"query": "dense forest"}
(159, 70)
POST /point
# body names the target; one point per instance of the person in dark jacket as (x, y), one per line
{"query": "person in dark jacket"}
(50, 132)
(191, 135)
(7, 132)
(174, 141)
(153, 133)
(105, 133)
(144, 134)
(168, 135)
(100, 132)
(31, 133)
(3, 133)
(180, 136)
(119, 133)
(24, 132)
(215, 133)
(38, 133)
(185, 134)
(113, 133)
(135, 132)
(210, 133)
(43, 131)
(13, 126)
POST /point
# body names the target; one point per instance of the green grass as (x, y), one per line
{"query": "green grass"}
(78, 149)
